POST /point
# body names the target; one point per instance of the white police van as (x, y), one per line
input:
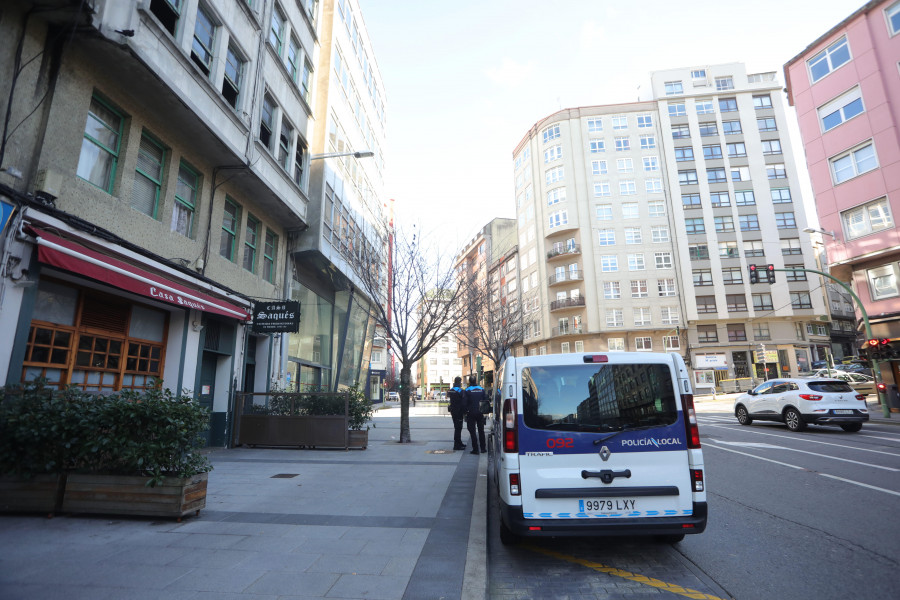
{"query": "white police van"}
(596, 444)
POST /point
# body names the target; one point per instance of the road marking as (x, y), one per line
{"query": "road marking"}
(800, 439)
(777, 462)
(770, 446)
(865, 485)
(662, 585)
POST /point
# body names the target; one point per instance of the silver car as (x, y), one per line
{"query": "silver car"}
(799, 402)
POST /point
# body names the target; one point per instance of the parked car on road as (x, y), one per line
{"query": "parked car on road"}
(864, 384)
(799, 402)
(855, 368)
(394, 396)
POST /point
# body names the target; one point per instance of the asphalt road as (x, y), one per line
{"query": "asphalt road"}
(811, 515)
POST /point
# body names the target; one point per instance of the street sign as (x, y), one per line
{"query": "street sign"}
(276, 317)
(767, 356)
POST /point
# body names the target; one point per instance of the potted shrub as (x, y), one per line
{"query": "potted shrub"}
(360, 412)
(124, 453)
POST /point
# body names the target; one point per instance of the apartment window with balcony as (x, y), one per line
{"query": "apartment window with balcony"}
(641, 316)
(595, 125)
(234, 74)
(168, 12)
(623, 144)
(704, 106)
(706, 304)
(736, 332)
(230, 221)
(666, 287)
(728, 105)
(690, 200)
(644, 121)
(709, 128)
(763, 302)
(694, 225)
(550, 133)
(611, 290)
(716, 175)
(148, 176)
(732, 276)
(639, 288)
(736, 150)
(829, 59)
(552, 153)
(776, 171)
(204, 40)
(762, 101)
(598, 167)
(724, 224)
(781, 196)
(269, 249)
(712, 151)
(604, 212)
(731, 127)
(681, 132)
(648, 141)
(602, 189)
(841, 109)
(620, 122)
(606, 237)
(609, 263)
(187, 190)
(643, 344)
(630, 210)
(771, 147)
(761, 332)
(673, 88)
(100, 147)
(790, 246)
(736, 302)
(636, 262)
(798, 274)
(785, 220)
(702, 277)
(868, 218)
(276, 30)
(687, 177)
(883, 282)
(707, 334)
(597, 146)
(766, 124)
(659, 234)
(615, 317)
(698, 252)
(855, 162)
(724, 83)
(633, 235)
(728, 250)
(800, 300)
(684, 153)
(719, 199)
(744, 198)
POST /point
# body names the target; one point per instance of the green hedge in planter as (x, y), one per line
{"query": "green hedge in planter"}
(152, 433)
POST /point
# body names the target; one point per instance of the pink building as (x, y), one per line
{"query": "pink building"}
(846, 89)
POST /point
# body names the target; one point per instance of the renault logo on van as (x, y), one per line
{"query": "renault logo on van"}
(605, 453)
(672, 441)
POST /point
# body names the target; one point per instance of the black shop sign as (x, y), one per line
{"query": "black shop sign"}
(276, 317)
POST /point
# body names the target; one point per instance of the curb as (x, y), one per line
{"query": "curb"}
(475, 578)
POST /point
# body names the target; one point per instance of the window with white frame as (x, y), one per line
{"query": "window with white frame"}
(625, 165)
(598, 167)
(579, 346)
(623, 144)
(556, 195)
(595, 125)
(645, 121)
(883, 281)
(609, 263)
(550, 133)
(677, 109)
(641, 315)
(829, 59)
(615, 344)
(698, 77)
(552, 153)
(854, 162)
(673, 88)
(553, 175)
(643, 344)
(633, 235)
(604, 212)
(659, 234)
(564, 348)
(663, 260)
(601, 189)
(620, 122)
(651, 163)
(656, 209)
(611, 290)
(868, 218)
(672, 342)
(597, 146)
(636, 262)
(724, 83)
(704, 106)
(666, 287)
(559, 218)
(606, 237)
(615, 317)
(669, 315)
(630, 210)
(648, 141)
(627, 187)
(653, 186)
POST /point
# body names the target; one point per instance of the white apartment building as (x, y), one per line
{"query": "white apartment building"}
(439, 367)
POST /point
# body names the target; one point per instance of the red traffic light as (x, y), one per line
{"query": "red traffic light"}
(884, 341)
(752, 267)
(872, 343)
(881, 387)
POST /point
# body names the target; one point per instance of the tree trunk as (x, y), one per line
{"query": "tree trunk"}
(404, 404)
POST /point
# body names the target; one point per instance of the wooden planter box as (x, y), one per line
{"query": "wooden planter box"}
(358, 438)
(41, 493)
(124, 495)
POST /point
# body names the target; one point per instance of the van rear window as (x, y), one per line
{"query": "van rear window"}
(591, 397)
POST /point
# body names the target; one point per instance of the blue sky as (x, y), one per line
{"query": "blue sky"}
(465, 80)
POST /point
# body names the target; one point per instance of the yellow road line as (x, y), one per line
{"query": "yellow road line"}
(669, 587)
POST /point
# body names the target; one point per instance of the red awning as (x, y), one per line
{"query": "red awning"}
(68, 255)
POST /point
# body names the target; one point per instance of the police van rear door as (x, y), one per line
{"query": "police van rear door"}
(603, 440)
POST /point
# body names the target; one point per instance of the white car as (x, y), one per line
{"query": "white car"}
(394, 396)
(798, 402)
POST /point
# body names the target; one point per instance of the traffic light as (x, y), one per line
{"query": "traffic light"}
(754, 274)
(770, 273)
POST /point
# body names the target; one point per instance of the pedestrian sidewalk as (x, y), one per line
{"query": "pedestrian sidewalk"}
(394, 521)
(725, 402)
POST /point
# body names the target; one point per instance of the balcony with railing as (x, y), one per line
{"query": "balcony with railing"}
(565, 303)
(558, 250)
(567, 330)
(570, 275)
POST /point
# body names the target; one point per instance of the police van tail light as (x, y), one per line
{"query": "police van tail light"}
(690, 421)
(697, 480)
(510, 432)
(515, 489)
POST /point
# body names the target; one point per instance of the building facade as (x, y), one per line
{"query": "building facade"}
(846, 90)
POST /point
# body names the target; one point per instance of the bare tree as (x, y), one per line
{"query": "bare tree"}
(494, 322)
(416, 293)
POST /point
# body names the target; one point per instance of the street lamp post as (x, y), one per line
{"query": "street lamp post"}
(359, 154)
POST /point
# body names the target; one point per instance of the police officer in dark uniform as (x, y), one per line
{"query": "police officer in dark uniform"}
(457, 412)
(473, 396)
